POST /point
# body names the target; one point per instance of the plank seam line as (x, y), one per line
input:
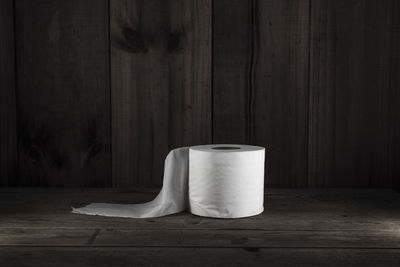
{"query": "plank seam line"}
(110, 131)
(198, 247)
(16, 94)
(309, 98)
(212, 72)
(202, 229)
(251, 79)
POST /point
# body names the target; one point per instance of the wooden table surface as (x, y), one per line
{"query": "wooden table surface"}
(329, 227)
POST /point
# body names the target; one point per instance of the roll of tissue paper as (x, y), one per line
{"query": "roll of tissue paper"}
(221, 181)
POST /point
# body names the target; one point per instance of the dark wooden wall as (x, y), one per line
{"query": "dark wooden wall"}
(95, 93)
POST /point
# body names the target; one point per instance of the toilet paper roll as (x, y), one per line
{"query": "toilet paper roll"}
(221, 181)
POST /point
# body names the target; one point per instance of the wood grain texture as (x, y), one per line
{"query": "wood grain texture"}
(8, 133)
(342, 210)
(354, 85)
(199, 238)
(116, 256)
(232, 26)
(278, 102)
(336, 227)
(63, 93)
(161, 84)
(261, 82)
(315, 82)
(237, 238)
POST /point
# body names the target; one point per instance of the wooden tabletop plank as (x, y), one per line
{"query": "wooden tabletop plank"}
(60, 256)
(220, 238)
(249, 238)
(47, 237)
(320, 210)
(330, 227)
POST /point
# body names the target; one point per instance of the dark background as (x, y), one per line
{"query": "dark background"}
(95, 93)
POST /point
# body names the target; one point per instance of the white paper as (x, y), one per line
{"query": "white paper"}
(222, 181)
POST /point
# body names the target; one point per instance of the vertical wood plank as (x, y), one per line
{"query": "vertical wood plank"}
(279, 99)
(261, 82)
(8, 134)
(232, 26)
(63, 92)
(382, 71)
(394, 96)
(353, 117)
(161, 84)
(321, 115)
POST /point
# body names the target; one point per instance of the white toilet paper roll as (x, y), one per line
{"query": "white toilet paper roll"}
(226, 181)
(222, 181)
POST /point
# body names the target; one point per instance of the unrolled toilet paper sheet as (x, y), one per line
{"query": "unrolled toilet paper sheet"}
(223, 181)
